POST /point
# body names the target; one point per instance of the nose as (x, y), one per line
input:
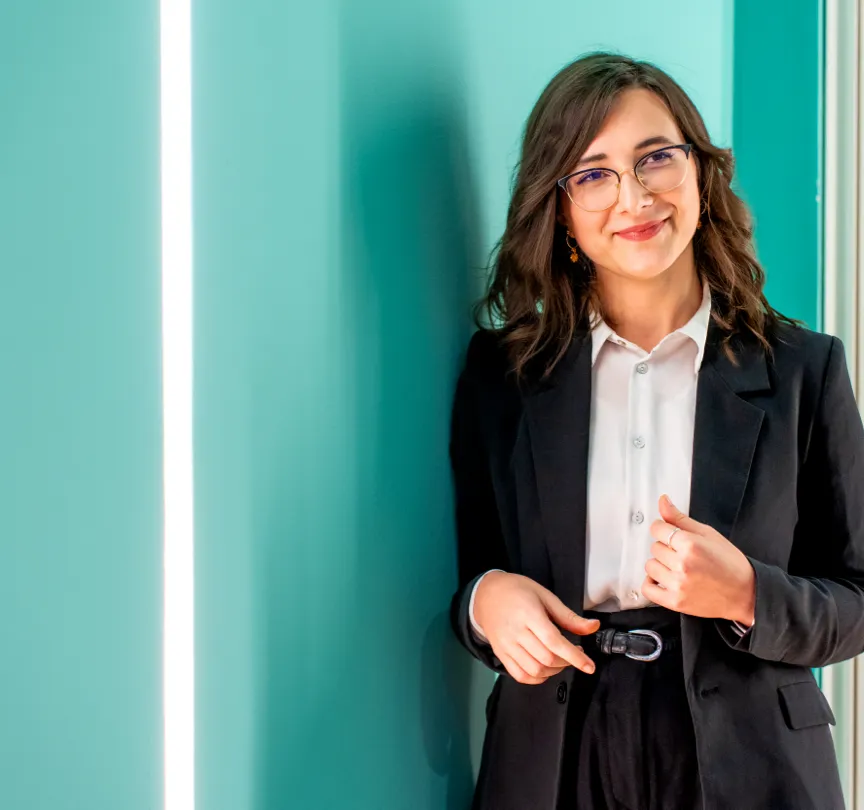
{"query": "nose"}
(630, 192)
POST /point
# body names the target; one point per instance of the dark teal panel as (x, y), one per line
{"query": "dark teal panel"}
(778, 119)
(777, 142)
(80, 416)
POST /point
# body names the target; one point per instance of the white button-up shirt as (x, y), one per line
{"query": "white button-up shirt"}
(643, 407)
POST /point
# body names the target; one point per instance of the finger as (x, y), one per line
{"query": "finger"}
(660, 531)
(529, 664)
(553, 662)
(556, 642)
(658, 572)
(672, 514)
(516, 671)
(670, 557)
(682, 540)
(533, 666)
(566, 617)
(651, 590)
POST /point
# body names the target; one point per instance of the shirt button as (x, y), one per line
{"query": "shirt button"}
(639, 442)
(633, 595)
(642, 368)
(638, 517)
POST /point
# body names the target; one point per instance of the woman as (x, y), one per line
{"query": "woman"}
(653, 652)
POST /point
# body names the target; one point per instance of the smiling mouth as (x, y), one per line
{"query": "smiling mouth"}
(644, 233)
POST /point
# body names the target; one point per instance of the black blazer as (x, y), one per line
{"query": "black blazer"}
(778, 468)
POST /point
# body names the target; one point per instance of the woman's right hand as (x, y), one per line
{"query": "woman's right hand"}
(521, 619)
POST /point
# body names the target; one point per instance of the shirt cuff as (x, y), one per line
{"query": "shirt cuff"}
(740, 629)
(474, 626)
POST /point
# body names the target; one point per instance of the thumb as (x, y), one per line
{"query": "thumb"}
(672, 514)
(564, 617)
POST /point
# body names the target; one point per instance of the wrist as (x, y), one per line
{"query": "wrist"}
(481, 590)
(745, 612)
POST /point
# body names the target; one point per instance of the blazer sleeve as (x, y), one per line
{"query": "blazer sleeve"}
(817, 618)
(479, 538)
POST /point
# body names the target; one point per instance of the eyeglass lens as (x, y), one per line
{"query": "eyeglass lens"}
(597, 189)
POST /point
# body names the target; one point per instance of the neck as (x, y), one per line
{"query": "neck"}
(645, 311)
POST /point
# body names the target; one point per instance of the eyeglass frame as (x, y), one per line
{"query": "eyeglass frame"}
(686, 147)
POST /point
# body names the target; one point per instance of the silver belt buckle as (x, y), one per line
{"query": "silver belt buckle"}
(651, 656)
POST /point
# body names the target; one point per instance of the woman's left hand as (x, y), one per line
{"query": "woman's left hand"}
(702, 574)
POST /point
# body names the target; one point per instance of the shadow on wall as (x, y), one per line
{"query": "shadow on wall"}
(382, 719)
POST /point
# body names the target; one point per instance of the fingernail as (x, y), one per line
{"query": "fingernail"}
(589, 668)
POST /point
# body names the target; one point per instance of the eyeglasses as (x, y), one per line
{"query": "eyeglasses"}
(658, 172)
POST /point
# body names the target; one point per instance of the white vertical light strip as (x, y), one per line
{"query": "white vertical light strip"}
(857, 363)
(830, 199)
(178, 555)
(843, 275)
(858, 270)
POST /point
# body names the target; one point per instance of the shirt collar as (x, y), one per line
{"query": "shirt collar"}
(696, 328)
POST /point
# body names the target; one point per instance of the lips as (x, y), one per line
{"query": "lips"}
(643, 233)
(638, 230)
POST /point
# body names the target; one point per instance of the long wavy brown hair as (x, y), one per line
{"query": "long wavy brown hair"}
(535, 295)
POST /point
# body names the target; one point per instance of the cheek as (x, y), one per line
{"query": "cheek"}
(692, 202)
(685, 209)
(587, 230)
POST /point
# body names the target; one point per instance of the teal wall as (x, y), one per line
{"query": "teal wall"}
(352, 170)
(778, 144)
(352, 166)
(80, 416)
(778, 119)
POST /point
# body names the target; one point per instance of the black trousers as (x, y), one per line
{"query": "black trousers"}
(629, 742)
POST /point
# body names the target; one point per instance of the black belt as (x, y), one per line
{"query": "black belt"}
(640, 645)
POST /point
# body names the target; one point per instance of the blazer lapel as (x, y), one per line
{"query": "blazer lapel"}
(726, 430)
(725, 433)
(558, 419)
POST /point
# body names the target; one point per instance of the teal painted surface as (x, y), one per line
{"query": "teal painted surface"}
(778, 146)
(820, 179)
(352, 171)
(820, 165)
(777, 142)
(80, 416)
(331, 289)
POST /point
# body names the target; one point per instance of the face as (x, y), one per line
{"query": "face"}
(637, 115)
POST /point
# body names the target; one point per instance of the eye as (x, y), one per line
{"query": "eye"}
(658, 157)
(590, 177)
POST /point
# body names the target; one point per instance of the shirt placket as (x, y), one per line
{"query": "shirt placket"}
(636, 472)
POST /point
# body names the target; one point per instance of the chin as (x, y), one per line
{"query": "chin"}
(646, 270)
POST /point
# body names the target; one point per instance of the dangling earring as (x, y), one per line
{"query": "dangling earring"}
(574, 256)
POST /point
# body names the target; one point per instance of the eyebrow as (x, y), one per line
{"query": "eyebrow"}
(655, 140)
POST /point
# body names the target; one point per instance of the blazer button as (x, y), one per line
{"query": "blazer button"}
(562, 692)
